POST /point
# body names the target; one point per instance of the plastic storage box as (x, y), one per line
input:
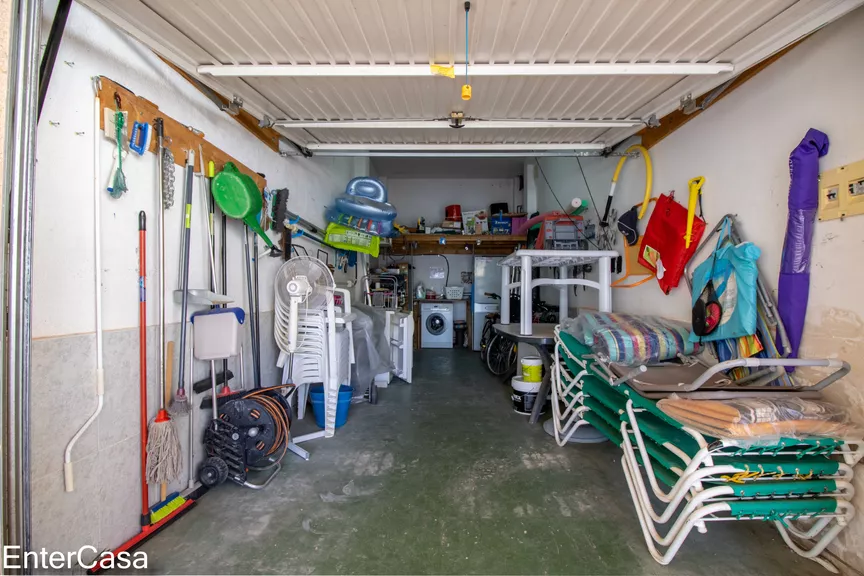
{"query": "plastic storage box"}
(454, 292)
(217, 333)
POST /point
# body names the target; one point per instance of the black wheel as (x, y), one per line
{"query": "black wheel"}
(501, 356)
(213, 472)
(485, 337)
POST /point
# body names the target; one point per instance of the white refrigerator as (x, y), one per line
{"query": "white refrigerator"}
(487, 279)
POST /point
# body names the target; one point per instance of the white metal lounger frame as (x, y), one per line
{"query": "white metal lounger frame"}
(563, 260)
(705, 504)
(699, 466)
(697, 514)
(691, 483)
(562, 385)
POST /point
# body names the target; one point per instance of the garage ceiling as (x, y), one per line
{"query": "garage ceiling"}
(263, 50)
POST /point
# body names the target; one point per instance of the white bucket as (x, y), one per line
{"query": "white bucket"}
(524, 394)
(532, 369)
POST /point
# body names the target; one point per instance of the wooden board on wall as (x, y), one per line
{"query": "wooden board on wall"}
(486, 245)
(178, 136)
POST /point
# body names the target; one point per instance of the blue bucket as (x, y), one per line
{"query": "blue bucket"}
(316, 393)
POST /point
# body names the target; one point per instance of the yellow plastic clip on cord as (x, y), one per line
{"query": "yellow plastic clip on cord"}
(649, 176)
(695, 188)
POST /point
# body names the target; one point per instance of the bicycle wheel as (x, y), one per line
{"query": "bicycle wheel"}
(501, 356)
(485, 337)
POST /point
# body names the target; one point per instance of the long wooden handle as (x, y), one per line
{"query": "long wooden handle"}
(169, 376)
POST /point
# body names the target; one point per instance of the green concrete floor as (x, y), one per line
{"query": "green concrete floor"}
(442, 477)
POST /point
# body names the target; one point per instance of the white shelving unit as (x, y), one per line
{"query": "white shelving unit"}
(562, 260)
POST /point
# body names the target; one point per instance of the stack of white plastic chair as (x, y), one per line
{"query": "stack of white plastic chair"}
(324, 355)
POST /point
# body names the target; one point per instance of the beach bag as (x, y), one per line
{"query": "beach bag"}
(662, 249)
(732, 272)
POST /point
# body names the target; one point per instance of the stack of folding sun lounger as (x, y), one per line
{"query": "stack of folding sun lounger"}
(680, 478)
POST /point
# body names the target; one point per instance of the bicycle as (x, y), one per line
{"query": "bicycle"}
(502, 355)
(487, 334)
(498, 352)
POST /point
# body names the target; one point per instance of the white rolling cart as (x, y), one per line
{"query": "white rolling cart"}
(541, 336)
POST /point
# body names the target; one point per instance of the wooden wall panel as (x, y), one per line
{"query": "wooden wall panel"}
(178, 136)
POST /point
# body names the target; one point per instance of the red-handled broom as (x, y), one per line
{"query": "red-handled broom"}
(161, 429)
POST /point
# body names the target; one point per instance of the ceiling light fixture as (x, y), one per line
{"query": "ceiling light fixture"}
(439, 124)
(414, 70)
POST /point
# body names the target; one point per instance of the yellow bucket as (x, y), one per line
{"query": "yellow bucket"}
(532, 369)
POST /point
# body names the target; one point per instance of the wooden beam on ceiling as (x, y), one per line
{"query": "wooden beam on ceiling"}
(268, 136)
(675, 120)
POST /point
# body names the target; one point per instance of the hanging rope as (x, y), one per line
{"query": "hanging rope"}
(467, 8)
(466, 88)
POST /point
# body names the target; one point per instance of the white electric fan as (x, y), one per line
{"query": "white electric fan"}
(301, 283)
(306, 326)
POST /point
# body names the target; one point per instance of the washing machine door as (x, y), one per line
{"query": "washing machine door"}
(436, 324)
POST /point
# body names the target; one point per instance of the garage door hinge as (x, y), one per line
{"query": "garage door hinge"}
(687, 105)
(233, 107)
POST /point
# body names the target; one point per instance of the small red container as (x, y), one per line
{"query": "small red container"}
(453, 213)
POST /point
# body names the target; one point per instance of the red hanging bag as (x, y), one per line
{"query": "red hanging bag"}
(663, 249)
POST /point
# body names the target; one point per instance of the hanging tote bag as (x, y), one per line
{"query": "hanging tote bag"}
(732, 272)
(662, 249)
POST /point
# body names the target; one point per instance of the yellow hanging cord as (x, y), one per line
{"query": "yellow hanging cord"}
(649, 174)
(740, 477)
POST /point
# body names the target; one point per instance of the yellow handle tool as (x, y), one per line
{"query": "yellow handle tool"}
(649, 177)
(695, 188)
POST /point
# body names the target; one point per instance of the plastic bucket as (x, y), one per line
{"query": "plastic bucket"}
(524, 395)
(532, 369)
(459, 329)
(316, 394)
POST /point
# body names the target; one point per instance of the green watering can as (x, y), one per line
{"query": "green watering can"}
(238, 197)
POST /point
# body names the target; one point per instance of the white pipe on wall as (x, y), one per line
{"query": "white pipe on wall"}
(68, 477)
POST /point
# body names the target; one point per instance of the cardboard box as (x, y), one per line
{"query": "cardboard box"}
(475, 221)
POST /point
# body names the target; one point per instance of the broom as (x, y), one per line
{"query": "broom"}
(181, 406)
(163, 447)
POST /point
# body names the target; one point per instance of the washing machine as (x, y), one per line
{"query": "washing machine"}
(437, 323)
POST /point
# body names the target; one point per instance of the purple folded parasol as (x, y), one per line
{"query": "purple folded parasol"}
(794, 284)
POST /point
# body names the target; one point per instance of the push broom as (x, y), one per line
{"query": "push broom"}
(163, 444)
(160, 432)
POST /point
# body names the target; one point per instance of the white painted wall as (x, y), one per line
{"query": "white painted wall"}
(557, 181)
(741, 145)
(102, 510)
(425, 265)
(63, 291)
(427, 197)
